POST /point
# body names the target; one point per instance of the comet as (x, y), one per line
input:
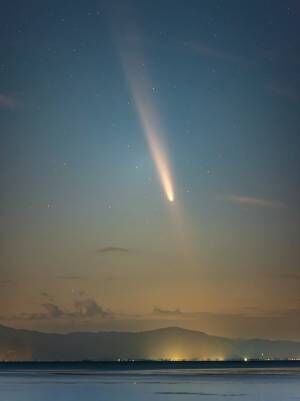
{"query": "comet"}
(150, 124)
(142, 93)
(129, 43)
(129, 47)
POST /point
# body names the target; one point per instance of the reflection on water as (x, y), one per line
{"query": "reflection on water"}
(145, 385)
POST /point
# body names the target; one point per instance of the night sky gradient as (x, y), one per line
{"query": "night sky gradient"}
(88, 239)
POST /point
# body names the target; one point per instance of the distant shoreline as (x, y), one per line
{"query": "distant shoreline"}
(150, 365)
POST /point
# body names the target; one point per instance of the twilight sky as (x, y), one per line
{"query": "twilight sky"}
(106, 107)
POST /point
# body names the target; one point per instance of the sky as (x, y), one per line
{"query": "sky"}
(149, 166)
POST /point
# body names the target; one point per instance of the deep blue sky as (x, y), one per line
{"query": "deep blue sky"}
(83, 215)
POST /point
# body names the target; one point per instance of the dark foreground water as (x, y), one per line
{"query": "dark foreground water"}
(146, 381)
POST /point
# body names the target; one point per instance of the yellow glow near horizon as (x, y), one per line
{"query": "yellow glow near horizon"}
(176, 359)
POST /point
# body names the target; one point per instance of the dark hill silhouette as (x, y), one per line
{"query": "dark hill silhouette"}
(168, 343)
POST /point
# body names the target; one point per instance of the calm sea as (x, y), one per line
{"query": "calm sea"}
(147, 382)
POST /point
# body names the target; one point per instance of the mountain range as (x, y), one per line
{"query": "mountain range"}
(171, 343)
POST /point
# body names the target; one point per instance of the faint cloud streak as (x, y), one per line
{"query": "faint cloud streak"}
(253, 201)
(212, 52)
(167, 312)
(83, 308)
(113, 249)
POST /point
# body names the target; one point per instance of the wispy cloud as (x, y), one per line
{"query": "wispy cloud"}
(166, 312)
(178, 313)
(113, 249)
(7, 102)
(200, 393)
(53, 311)
(253, 201)
(89, 308)
(83, 308)
(208, 51)
(46, 295)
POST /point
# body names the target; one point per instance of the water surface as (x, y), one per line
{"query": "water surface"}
(92, 382)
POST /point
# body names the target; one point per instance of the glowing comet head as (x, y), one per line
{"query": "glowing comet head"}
(170, 194)
(163, 170)
(151, 129)
(162, 167)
